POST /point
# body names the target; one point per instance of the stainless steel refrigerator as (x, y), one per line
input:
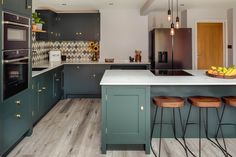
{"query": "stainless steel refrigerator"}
(171, 52)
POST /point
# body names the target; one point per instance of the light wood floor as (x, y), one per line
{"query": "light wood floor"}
(72, 129)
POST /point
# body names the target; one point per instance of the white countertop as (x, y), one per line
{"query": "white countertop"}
(52, 65)
(145, 77)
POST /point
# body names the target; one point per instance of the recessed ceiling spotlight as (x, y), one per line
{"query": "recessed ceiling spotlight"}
(64, 4)
(111, 3)
(182, 5)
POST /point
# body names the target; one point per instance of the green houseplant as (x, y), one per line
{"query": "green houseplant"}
(37, 22)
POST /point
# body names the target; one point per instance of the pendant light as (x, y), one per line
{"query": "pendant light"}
(177, 18)
(169, 11)
(172, 26)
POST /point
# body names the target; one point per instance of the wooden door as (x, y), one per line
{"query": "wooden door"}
(209, 45)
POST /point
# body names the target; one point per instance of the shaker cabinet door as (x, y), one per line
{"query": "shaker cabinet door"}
(125, 115)
(23, 7)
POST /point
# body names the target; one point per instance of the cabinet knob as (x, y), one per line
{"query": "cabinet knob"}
(39, 90)
(57, 80)
(44, 88)
(77, 67)
(142, 108)
(18, 102)
(18, 116)
(94, 75)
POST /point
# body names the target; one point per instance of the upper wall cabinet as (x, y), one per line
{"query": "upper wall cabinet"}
(22, 7)
(49, 18)
(69, 26)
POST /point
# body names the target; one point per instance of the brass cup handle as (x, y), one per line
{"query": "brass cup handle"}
(18, 116)
(18, 102)
(57, 80)
(44, 88)
(141, 108)
(39, 90)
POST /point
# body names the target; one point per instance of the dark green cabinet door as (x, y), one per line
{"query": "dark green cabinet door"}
(16, 119)
(35, 99)
(125, 115)
(23, 7)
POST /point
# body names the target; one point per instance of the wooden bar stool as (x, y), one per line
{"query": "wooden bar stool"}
(167, 102)
(203, 102)
(230, 101)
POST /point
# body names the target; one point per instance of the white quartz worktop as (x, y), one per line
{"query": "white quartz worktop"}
(53, 65)
(145, 77)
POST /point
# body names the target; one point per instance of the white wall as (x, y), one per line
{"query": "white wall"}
(204, 15)
(230, 35)
(234, 35)
(158, 19)
(122, 32)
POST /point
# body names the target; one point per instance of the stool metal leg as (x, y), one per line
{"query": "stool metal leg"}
(153, 126)
(220, 127)
(200, 134)
(185, 129)
(182, 129)
(207, 136)
(174, 130)
(160, 133)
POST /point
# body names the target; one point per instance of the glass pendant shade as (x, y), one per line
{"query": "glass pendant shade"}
(177, 23)
(172, 29)
(169, 15)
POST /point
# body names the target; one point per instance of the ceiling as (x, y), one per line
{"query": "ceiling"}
(87, 5)
(158, 5)
(146, 6)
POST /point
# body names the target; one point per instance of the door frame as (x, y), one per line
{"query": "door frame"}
(225, 40)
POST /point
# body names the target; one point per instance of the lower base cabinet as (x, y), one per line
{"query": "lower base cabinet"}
(126, 116)
(46, 91)
(16, 119)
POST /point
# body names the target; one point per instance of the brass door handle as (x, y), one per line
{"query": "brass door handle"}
(141, 108)
(18, 116)
(18, 102)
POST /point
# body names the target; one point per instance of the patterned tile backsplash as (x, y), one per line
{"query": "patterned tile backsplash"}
(73, 50)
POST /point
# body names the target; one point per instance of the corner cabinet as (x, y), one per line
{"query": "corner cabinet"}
(126, 116)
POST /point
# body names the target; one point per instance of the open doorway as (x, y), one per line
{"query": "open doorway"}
(210, 44)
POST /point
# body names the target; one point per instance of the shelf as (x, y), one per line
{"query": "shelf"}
(40, 31)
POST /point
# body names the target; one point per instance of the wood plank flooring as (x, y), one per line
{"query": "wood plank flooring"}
(72, 129)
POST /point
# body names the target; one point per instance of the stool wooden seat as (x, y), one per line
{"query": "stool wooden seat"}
(168, 101)
(230, 100)
(205, 101)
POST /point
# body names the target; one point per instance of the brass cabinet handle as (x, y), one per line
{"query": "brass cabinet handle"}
(44, 88)
(29, 7)
(2, 2)
(18, 116)
(142, 108)
(39, 90)
(18, 102)
(57, 80)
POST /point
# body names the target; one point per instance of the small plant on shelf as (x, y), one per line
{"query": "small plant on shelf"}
(37, 22)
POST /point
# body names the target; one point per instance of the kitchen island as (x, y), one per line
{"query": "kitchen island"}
(127, 110)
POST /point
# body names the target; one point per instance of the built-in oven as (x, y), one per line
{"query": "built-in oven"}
(15, 54)
(15, 31)
(15, 72)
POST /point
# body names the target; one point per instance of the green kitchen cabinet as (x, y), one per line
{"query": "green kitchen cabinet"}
(46, 91)
(16, 119)
(126, 116)
(42, 95)
(57, 84)
(83, 80)
(22, 7)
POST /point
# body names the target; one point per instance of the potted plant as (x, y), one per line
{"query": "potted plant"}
(37, 23)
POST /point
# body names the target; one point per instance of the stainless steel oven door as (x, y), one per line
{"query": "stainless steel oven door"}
(15, 76)
(16, 36)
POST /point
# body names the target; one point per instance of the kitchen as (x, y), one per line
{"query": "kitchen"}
(78, 83)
